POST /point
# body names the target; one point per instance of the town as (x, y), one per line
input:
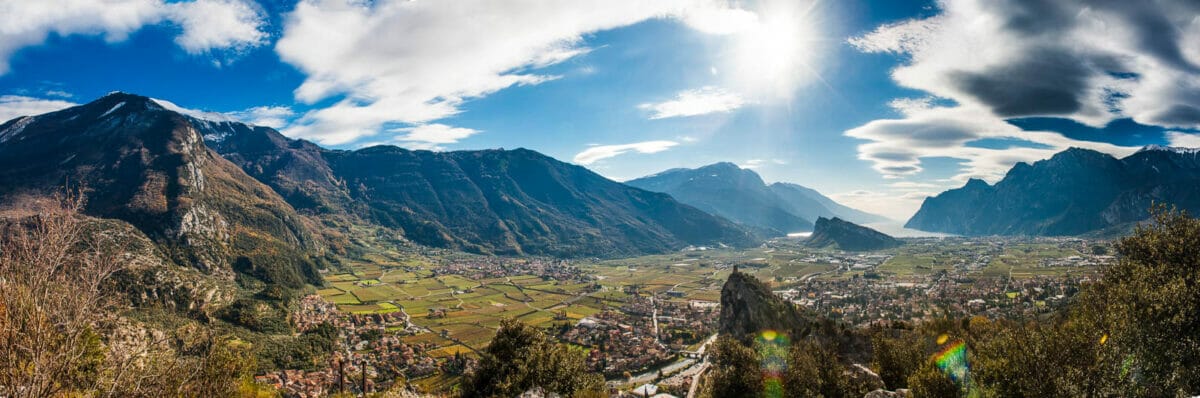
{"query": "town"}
(644, 322)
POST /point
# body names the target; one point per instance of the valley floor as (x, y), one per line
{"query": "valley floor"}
(647, 319)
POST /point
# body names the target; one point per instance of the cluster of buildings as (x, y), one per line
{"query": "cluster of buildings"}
(619, 343)
(482, 267)
(301, 384)
(861, 301)
(367, 343)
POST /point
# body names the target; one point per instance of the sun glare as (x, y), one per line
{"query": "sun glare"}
(777, 53)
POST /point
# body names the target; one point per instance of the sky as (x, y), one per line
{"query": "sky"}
(877, 104)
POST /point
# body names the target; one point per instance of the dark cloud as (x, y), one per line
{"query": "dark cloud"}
(1153, 31)
(893, 156)
(1045, 82)
(938, 134)
(1033, 17)
(900, 169)
(1179, 115)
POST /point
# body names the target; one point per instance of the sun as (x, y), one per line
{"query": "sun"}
(779, 51)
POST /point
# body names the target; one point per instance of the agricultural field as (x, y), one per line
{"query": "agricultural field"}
(459, 314)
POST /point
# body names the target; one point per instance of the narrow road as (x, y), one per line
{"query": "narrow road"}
(696, 379)
(654, 318)
(703, 366)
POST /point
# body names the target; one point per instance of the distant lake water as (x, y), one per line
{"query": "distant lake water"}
(893, 228)
(896, 229)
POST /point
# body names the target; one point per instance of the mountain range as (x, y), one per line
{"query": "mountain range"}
(137, 162)
(1077, 191)
(741, 195)
(206, 186)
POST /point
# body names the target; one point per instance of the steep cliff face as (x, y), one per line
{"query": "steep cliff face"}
(1074, 192)
(143, 164)
(748, 307)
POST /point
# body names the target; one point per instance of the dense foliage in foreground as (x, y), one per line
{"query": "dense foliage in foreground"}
(1132, 334)
(521, 358)
(62, 332)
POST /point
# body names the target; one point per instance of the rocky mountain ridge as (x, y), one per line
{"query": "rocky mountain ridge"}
(741, 195)
(1077, 191)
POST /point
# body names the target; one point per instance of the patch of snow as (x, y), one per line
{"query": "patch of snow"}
(114, 108)
(195, 114)
(16, 128)
(1180, 150)
(214, 131)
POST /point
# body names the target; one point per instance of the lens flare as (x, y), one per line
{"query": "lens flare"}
(772, 349)
(943, 338)
(769, 335)
(952, 360)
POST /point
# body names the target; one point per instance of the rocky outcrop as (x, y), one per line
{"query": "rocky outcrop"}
(144, 164)
(748, 307)
(844, 235)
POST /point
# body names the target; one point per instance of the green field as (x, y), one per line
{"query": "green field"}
(389, 279)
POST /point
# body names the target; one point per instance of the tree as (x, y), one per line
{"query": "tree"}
(522, 358)
(58, 316)
(52, 300)
(1151, 298)
(897, 359)
(736, 371)
(803, 377)
(929, 382)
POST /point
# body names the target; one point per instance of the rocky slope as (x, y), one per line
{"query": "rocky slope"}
(194, 183)
(492, 201)
(148, 166)
(520, 202)
(844, 235)
(1076, 191)
(748, 307)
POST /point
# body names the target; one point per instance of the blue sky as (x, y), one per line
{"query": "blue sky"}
(876, 103)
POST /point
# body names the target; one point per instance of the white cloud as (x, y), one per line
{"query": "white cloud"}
(1088, 61)
(217, 24)
(695, 102)
(206, 25)
(720, 20)
(393, 62)
(897, 206)
(752, 163)
(432, 136)
(269, 116)
(196, 113)
(1183, 140)
(758, 163)
(59, 94)
(1091, 62)
(13, 106)
(912, 185)
(911, 106)
(897, 146)
(597, 153)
